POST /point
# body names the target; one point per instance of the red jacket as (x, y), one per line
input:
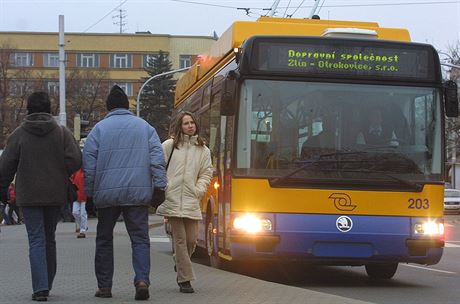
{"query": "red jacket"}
(12, 194)
(78, 180)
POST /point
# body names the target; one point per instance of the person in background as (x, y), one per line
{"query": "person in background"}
(375, 132)
(124, 169)
(43, 156)
(13, 206)
(323, 142)
(189, 175)
(79, 208)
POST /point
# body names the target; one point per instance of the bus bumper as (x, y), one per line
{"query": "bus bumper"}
(315, 238)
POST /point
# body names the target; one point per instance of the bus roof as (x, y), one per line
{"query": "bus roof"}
(234, 36)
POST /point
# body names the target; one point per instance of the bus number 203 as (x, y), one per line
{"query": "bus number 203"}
(419, 203)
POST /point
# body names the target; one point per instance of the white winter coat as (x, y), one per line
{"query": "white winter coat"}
(189, 174)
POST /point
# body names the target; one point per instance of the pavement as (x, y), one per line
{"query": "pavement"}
(75, 281)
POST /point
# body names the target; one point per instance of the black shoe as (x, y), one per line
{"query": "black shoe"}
(142, 291)
(103, 293)
(186, 287)
(40, 296)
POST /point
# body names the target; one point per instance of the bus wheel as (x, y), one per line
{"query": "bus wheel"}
(381, 271)
(214, 259)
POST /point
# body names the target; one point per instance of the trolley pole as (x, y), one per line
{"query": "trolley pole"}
(138, 100)
(313, 9)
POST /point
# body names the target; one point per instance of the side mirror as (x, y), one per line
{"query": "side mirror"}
(451, 98)
(228, 99)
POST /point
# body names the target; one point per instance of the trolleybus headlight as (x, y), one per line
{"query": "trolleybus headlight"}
(429, 228)
(251, 223)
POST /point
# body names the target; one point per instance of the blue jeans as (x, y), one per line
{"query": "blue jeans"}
(41, 227)
(136, 221)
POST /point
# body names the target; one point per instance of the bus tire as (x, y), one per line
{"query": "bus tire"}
(381, 271)
(213, 257)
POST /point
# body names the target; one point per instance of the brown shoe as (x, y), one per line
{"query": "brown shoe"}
(142, 291)
(81, 235)
(103, 293)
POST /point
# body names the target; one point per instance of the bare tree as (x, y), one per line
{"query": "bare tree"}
(86, 91)
(6, 51)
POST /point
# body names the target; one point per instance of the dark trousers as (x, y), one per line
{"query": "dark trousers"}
(41, 227)
(136, 222)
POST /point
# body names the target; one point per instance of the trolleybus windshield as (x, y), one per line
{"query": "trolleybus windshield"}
(353, 130)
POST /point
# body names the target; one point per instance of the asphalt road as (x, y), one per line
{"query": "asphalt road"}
(412, 283)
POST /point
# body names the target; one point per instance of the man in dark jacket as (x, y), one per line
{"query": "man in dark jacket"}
(42, 155)
(123, 163)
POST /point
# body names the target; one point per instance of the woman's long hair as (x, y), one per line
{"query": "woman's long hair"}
(178, 136)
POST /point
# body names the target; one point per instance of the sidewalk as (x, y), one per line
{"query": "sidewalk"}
(75, 281)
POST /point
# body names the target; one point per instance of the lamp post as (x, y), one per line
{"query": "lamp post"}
(138, 100)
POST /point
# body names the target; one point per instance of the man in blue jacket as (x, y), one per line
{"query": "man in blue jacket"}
(124, 170)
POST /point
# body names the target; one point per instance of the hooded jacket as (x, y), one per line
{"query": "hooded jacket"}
(43, 156)
(123, 161)
(189, 174)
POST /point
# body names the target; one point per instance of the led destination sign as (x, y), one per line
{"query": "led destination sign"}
(345, 60)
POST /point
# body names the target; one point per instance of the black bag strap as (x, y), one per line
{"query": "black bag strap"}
(63, 146)
(170, 155)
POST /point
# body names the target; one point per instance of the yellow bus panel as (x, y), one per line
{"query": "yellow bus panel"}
(256, 195)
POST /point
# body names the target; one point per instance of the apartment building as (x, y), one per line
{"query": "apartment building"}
(122, 57)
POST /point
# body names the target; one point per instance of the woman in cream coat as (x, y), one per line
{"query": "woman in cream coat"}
(189, 173)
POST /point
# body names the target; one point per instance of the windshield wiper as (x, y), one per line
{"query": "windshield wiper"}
(275, 181)
(415, 186)
(412, 185)
(310, 162)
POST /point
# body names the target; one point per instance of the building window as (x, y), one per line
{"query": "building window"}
(126, 86)
(87, 60)
(185, 61)
(53, 88)
(149, 60)
(51, 60)
(22, 59)
(120, 61)
(19, 88)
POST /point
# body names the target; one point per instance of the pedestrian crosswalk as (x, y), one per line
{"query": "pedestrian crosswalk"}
(159, 239)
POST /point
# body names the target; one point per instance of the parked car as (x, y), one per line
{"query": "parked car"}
(452, 200)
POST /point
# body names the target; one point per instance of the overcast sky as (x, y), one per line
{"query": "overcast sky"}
(433, 21)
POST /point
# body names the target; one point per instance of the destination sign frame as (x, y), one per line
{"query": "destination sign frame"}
(326, 57)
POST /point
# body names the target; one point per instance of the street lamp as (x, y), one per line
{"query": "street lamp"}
(138, 100)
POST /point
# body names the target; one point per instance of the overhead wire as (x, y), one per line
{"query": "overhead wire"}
(331, 5)
(300, 5)
(206, 4)
(394, 4)
(320, 7)
(97, 22)
(289, 4)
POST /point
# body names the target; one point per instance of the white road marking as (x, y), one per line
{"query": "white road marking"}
(430, 269)
(447, 245)
(159, 239)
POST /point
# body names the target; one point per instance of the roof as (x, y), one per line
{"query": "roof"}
(239, 31)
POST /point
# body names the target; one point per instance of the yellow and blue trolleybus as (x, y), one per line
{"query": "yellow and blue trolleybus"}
(327, 140)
